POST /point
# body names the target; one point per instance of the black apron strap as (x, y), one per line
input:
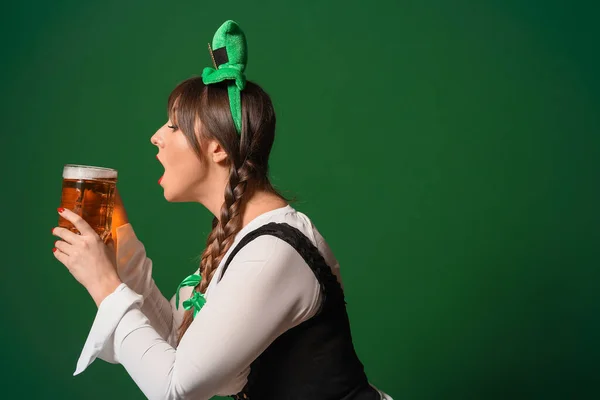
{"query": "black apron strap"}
(330, 287)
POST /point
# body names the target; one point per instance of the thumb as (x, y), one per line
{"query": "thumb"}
(110, 243)
(110, 246)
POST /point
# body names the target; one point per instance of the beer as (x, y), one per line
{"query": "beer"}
(89, 192)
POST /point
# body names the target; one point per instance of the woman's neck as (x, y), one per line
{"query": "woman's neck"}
(260, 202)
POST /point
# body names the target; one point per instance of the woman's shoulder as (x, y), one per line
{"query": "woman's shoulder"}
(266, 245)
(288, 215)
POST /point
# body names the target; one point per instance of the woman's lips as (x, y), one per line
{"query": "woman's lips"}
(160, 179)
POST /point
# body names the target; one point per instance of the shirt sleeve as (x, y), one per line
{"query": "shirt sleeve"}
(268, 289)
(135, 270)
(138, 290)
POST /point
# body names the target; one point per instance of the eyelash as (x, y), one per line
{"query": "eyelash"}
(174, 127)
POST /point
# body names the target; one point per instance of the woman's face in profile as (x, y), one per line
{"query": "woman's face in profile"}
(184, 171)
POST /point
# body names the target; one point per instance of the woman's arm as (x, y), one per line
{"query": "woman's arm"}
(267, 290)
(135, 270)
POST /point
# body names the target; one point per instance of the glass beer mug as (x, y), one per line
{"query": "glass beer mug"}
(89, 192)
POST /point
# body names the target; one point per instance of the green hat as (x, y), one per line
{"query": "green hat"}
(229, 53)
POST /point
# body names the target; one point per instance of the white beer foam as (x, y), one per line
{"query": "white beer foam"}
(88, 172)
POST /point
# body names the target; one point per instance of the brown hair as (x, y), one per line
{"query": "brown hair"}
(248, 154)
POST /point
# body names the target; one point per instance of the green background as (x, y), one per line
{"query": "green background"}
(447, 150)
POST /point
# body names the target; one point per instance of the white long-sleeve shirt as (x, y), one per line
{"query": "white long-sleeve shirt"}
(269, 289)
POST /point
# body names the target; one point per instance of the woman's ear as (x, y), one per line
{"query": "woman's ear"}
(216, 152)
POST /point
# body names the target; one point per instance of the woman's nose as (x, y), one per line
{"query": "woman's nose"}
(155, 139)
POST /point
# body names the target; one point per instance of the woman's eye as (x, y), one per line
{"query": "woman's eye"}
(174, 127)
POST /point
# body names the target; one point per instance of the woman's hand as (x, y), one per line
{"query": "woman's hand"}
(87, 258)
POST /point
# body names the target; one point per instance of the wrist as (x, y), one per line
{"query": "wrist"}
(100, 291)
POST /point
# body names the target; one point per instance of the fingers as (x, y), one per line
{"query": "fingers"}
(60, 256)
(62, 247)
(79, 223)
(66, 235)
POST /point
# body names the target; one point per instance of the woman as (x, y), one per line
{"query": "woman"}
(264, 316)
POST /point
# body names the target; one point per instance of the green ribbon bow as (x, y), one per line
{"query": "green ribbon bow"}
(197, 300)
(230, 55)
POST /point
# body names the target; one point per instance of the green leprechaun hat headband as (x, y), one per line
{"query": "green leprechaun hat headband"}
(229, 54)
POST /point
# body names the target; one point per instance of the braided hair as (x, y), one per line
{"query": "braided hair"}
(202, 112)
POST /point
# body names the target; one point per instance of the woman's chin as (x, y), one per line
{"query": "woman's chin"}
(173, 193)
(173, 196)
(170, 196)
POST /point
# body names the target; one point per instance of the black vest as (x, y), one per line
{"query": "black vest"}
(316, 359)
